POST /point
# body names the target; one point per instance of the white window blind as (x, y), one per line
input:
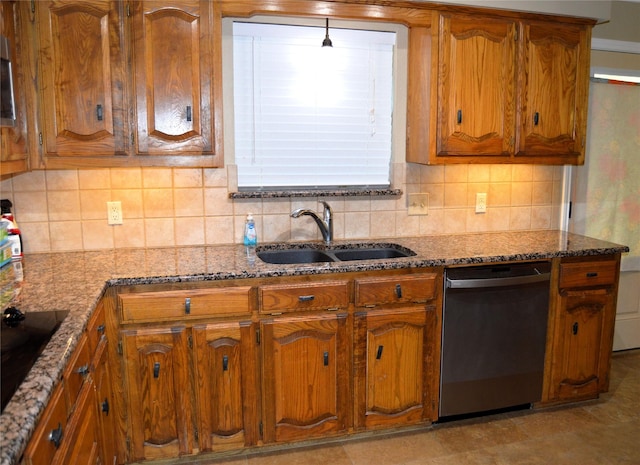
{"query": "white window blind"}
(311, 116)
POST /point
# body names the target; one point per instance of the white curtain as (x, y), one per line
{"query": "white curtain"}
(607, 197)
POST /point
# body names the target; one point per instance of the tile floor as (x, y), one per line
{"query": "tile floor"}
(601, 432)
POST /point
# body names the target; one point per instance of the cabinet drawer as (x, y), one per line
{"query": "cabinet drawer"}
(595, 273)
(395, 289)
(178, 305)
(280, 298)
(53, 424)
(76, 373)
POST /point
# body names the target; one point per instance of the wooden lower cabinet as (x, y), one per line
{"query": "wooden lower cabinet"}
(226, 385)
(156, 370)
(305, 376)
(391, 367)
(585, 307)
(104, 403)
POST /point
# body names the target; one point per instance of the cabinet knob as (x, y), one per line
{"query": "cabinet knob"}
(536, 118)
(459, 116)
(574, 328)
(189, 113)
(225, 363)
(99, 112)
(156, 370)
(55, 436)
(83, 370)
(187, 305)
(379, 354)
(326, 359)
(398, 291)
(105, 407)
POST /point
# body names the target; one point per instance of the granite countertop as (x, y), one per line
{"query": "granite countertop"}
(75, 281)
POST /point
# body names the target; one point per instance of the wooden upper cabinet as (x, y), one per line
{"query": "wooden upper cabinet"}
(14, 148)
(175, 55)
(82, 78)
(554, 88)
(476, 87)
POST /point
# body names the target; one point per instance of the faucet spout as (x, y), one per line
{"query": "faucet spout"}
(325, 224)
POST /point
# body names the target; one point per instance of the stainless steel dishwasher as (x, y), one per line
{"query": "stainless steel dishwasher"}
(493, 337)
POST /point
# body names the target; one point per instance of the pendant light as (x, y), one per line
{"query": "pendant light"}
(327, 42)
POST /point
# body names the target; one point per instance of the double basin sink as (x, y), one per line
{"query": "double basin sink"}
(316, 253)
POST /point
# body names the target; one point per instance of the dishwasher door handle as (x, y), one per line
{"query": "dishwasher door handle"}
(496, 282)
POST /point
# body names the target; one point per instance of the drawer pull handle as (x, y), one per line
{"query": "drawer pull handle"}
(187, 305)
(379, 354)
(592, 274)
(459, 116)
(99, 112)
(574, 328)
(225, 363)
(156, 370)
(398, 291)
(306, 298)
(105, 407)
(189, 113)
(326, 359)
(55, 436)
(536, 118)
(83, 370)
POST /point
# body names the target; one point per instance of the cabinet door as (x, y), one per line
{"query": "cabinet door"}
(81, 446)
(13, 139)
(476, 87)
(391, 367)
(82, 78)
(305, 377)
(175, 56)
(104, 403)
(578, 370)
(157, 373)
(226, 385)
(554, 91)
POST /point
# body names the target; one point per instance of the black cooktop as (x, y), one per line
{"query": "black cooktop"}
(23, 337)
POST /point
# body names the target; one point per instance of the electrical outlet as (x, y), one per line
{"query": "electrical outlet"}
(114, 212)
(418, 204)
(481, 202)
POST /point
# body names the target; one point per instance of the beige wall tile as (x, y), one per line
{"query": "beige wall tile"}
(126, 178)
(432, 223)
(541, 217)
(276, 206)
(357, 225)
(499, 218)
(521, 193)
(479, 173)
(455, 220)
(522, 173)
(501, 173)
(188, 202)
(383, 224)
(217, 202)
(275, 228)
(130, 233)
(159, 232)
(407, 225)
(499, 194)
(65, 235)
(29, 182)
(476, 188)
(64, 205)
(131, 200)
(187, 177)
(220, 230)
(62, 180)
(190, 231)
(35, 237)
(97, 234)
(436, 195)
(455, 194)
(93, 204)
(215, 177)
(30, 206)
(94, 179)
(157, 178)
(520, 218)
(542, 193)
(456, 173)
(543, 172)
(158, 203)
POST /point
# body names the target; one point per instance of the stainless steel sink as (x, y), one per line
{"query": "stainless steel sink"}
(316, 253)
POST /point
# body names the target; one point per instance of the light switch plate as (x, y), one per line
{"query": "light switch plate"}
(418, 204)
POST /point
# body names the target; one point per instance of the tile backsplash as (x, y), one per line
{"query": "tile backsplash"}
(65, 210)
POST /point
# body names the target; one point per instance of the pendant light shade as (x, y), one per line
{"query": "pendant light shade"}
(327, 42)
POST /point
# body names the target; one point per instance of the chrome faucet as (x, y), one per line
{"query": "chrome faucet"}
(325, 224)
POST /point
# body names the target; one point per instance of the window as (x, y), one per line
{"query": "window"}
(307, 116)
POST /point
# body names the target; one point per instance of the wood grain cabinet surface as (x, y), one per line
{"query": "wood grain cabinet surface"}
(585, 306)
(129, 83)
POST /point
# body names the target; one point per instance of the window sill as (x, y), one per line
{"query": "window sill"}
(258, 194)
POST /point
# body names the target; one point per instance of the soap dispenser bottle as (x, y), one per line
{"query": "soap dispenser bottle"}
(250, 235)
